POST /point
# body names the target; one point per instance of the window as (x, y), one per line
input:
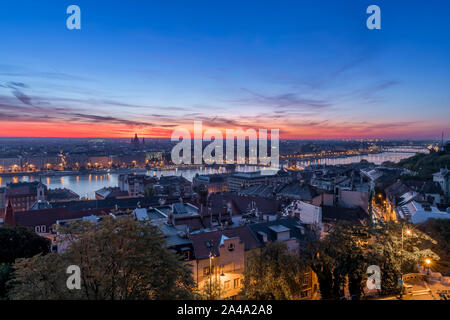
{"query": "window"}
(186, 254)
(43, 229)
(231, 247)
(206, 271)
(226, 284)
(306, 279)
(236, 283)
(37, 229)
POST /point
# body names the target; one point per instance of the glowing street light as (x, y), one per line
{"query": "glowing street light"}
(408, 233)
(428, 263)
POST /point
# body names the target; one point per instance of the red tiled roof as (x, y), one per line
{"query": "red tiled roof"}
(16, 191)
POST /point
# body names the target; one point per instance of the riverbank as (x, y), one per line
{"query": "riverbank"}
(58, 173)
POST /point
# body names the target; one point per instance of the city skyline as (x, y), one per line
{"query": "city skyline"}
(313, 70)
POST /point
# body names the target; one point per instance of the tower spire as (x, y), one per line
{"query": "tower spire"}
(10, 219)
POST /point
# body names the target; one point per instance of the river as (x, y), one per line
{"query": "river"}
(87, 184)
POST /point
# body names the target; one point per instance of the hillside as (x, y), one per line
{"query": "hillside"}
(426, 164)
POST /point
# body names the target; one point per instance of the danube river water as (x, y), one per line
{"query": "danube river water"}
(86, 184)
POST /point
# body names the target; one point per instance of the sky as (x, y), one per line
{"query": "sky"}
(311, 69)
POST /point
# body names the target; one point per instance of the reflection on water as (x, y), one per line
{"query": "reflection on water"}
(87, 184)
(378, 159)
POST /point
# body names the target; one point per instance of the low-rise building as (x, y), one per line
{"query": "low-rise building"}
(294, 233)
(417, 212)
(110, 192)
(443, 178)
(242, 180)
(213, 182)
(24, 194)
(220, 256)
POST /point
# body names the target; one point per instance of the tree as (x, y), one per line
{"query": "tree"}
(17, 242)
(5, 275)
(439, 230)
(425, 164)
(41, 277)
(273, 273)
(212, 290)
(386, 251)
(339, 260)
(20, 242)
(118, 258)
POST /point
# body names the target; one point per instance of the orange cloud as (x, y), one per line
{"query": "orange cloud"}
(292, 130)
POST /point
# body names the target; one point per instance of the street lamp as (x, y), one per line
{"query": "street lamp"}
(428, 263)
(211, 258)
(408, 232)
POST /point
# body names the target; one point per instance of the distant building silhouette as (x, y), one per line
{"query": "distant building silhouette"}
(136, 144)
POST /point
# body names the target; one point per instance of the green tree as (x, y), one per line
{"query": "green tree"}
(17, 242)
(212, 290)
(5, 275)
(387, 252)
(439, 230)
(273, 273)
(339, 260)
(119, 259)
(20, 242)
(425, 164)
(41, 277)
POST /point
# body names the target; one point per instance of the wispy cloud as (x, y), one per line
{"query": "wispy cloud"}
(282, 101)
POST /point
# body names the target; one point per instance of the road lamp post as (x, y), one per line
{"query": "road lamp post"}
(211, 258)
(428, 263)
(408, 232)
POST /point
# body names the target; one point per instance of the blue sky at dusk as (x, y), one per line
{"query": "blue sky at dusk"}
(310, 68)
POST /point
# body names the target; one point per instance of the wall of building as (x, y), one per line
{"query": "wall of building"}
(353, 199)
